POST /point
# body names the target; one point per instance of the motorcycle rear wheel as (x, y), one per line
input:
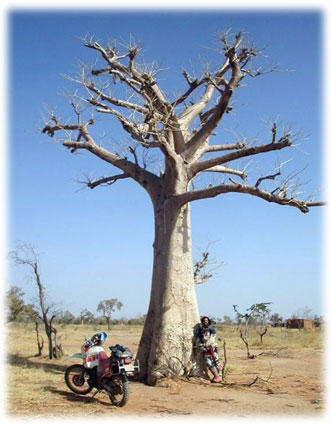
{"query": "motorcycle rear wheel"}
(75, 381)
(118, 390)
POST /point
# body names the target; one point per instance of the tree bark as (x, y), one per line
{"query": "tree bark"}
(261, 334)
(43, 308)
(49, 338)
(166, 345)
(40, 341)
(108, 319)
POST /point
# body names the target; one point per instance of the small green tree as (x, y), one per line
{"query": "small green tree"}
(86, 316)
(227, 321)
(15, 304)
(65, 317)
(261, 313)
(318, 321)
(255, 315)
(276, 319)
(107, 307)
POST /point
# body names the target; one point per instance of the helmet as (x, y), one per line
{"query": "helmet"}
(99, 338)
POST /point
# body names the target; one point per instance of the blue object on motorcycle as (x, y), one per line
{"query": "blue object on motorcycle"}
(117, 347)
(120, 347)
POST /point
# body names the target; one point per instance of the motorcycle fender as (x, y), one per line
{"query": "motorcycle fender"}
(75, 356)
(91, 357)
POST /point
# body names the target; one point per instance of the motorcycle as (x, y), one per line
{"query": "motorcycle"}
(102, 372)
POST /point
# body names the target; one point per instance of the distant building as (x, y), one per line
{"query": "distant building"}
(299, 323)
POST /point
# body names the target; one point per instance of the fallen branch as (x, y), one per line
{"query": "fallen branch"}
(271, 353)
(258, 378)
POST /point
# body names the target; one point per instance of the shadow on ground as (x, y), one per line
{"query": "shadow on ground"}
(31, 362)
(69, 396)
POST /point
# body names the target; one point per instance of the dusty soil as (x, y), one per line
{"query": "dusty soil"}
(277, 382)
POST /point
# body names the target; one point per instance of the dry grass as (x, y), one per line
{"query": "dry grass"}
(35, 385)
(74, 335)
(275, 338)
(28, 388)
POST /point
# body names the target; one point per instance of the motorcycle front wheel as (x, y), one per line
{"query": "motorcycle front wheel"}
(118, 390)
(76, 379)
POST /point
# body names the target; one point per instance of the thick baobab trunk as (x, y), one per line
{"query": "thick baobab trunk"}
(167, 341)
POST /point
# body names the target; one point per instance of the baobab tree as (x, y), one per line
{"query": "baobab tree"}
(122, 86)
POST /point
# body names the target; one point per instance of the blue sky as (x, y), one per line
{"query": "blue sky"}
(98, 244)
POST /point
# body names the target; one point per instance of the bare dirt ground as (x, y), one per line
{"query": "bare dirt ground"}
(277, 382)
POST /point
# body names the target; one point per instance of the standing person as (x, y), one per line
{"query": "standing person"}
(206, 340)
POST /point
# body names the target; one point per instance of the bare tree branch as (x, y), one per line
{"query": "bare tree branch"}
(270, 177)
(190, 113)
(211, 192)
(159, 127)
(226, 170)
(317, 204)
(242, 153)
(140, 81)
(104, 181)
(198, 268)
(226, 147)
(142, 176)
(236, 60)
(205, 268)
(114, 101)
(25, 254)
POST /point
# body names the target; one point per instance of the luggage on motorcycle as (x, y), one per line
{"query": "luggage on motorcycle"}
(119, 351)
(130, 365)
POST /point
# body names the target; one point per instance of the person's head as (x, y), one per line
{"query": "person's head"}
(205, 321)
